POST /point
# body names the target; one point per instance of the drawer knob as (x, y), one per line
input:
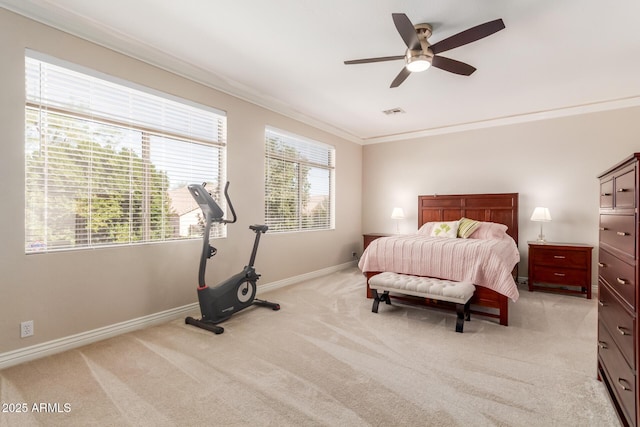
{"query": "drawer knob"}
(622, 330)
(602, 345)
(621, 281)
(622, 233)
(602, 265)
(622, 190)
(624, 384)
(603, 228)
(606, 194)
(559, 257)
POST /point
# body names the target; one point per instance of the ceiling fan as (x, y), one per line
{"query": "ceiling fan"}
(421, 54)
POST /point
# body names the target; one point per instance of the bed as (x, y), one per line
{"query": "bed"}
(494, 288)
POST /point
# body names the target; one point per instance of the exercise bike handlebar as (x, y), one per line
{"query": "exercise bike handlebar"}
(233, 212)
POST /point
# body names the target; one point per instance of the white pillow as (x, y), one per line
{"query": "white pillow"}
(445, 229)
(490, 230)
(426, 228)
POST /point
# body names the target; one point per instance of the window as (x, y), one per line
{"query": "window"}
(107, 163)
(299, 183)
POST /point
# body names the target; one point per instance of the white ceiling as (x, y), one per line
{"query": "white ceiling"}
(553, 58)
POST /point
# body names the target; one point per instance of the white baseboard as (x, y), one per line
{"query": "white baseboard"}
(302, 277)
(48, 348)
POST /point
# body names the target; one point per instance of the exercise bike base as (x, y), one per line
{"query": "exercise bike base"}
(272, 305)
(203, 324)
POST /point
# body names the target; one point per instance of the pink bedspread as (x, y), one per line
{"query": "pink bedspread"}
(485, 263)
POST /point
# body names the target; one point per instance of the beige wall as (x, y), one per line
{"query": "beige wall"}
(72, 292)
(552, 163)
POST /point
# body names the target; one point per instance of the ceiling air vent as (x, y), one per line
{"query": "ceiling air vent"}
(393, 111)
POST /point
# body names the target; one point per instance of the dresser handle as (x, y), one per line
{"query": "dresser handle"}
(622, 233)
(622, 330)
(625, 387)
(602, 345)
(602, 265)
(603, 228)
(559, 257)
(559, 274)
(606, 194)
(622, 190)
(621, 281)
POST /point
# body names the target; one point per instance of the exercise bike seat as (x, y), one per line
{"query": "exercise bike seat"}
(260, 228)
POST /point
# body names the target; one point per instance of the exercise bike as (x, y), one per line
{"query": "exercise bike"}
(238, 292)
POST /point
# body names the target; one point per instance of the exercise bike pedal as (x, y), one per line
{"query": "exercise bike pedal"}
(203, 324)
(272, 305)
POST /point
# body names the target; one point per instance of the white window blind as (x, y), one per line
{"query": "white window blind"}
(107, 163)
(299, 183)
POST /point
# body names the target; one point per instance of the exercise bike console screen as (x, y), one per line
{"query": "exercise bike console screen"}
(209, 206)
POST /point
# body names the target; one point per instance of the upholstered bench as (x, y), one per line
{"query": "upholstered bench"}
(459, 293)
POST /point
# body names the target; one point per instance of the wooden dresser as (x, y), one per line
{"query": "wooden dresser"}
(618, 353)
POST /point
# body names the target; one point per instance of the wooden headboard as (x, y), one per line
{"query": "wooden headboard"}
(501, 208)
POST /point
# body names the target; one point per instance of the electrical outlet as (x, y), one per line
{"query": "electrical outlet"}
(353, 254)
(26, 329)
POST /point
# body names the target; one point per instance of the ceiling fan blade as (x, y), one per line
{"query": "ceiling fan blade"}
(468, 36)
(452, 66)
(367, 60)
(404, 73)
(406, 30)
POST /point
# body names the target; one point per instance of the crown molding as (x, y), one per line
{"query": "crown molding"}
(105, 36)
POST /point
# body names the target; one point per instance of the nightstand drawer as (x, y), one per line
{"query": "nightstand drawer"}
(618, 231)
(561, 276)
(618, 321)
(561, 257)
(619, 275)
(619, 376)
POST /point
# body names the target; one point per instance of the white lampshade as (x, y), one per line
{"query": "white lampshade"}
(397, 213)
(541, 214)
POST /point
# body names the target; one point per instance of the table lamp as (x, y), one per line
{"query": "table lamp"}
(541, 215)
(397, 214)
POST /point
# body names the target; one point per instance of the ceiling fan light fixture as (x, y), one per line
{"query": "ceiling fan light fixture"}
(418, 63)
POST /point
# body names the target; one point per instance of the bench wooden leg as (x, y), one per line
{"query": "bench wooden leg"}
(460, 309)
(377, 298)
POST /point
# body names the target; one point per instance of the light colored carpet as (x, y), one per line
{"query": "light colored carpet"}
(326, 359)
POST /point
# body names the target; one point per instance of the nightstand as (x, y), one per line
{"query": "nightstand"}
(560, 267)
(370, 237)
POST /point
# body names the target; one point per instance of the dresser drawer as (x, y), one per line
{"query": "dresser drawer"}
(619, 275)
(561, 257)
(619, 322)
(606, 193)
(625, 189)
(619, 376)
(618, 231)
(561, 276)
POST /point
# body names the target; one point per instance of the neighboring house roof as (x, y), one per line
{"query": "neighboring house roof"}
(181, 201)
(314, 201)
